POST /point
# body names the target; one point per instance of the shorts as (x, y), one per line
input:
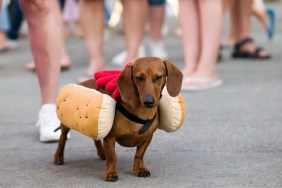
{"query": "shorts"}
(4, 19)
(156, 2)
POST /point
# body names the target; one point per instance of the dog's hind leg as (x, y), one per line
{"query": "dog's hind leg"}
(59, 155)
(100, 150)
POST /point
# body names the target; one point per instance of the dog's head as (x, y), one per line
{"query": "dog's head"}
(146, 78)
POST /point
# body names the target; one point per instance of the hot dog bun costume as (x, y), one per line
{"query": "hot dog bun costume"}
(86, 110)
(92, 113)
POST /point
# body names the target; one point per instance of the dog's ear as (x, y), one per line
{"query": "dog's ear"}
(174, 79)
(125, 83)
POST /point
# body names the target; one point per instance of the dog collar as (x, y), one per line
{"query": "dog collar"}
(146, 123)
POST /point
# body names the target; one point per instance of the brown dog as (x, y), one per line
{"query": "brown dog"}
(136, 118)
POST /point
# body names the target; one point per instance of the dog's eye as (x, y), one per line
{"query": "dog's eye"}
(158, 77)
(139, 78)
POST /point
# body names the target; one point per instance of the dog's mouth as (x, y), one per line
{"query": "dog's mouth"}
(150, 105)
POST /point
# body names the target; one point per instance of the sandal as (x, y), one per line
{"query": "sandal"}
(239, 53)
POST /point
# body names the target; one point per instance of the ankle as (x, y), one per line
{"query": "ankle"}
(48, 106)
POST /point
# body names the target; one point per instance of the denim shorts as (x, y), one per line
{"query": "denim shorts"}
(4, 19)
(156, 2)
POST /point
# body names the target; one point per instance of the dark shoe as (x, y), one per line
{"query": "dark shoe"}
(239, 53)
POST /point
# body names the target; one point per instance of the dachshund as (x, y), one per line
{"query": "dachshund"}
(136, 118)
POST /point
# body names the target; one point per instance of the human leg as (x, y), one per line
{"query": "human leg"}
(189, 24)
(45, 40)
(246, 47)
(92, 25)
(204, 75)
(266, 16)
(135, 17)
(231, 6)
(16, 18)
(156, 21)
(4, 26)
(211, 18)
(260, 14)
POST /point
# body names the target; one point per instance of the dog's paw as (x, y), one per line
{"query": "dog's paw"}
(143, 172)
(112, 176)
(58, 160)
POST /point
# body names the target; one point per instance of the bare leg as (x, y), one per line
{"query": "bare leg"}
(156, 21)
(3, 41)
(210, 37)
(45, 38)
(260, 14)
(244, 12)
(232, 7)
(189, 24)
(135, 16)
(92, 25)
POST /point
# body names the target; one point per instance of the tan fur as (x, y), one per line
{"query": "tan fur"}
(140, 85)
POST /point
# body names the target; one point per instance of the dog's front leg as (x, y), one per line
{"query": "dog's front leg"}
(139, 167)
(111, 158)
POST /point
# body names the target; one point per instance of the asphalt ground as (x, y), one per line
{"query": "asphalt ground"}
(231, 136)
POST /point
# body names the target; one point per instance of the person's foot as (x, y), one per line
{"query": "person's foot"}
(94, 66)
(157, 49)
(227, 43)
(65, 63)
(84, 77)
(4, 47)
(119, 59)
(47, 123)
(247, 48)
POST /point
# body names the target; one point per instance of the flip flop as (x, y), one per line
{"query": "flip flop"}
(200, 84)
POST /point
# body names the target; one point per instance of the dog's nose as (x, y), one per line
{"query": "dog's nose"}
(149, 101)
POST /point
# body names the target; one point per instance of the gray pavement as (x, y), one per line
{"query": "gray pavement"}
(231, 136)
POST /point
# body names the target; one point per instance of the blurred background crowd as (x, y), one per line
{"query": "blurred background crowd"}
(200, 26)
(48, 24)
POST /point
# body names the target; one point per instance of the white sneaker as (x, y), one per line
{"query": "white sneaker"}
(47, 123)
(120, 58)
(157, 49)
